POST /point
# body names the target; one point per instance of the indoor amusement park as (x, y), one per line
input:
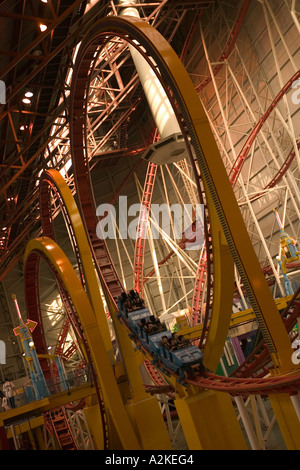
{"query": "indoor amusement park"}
(150, 227)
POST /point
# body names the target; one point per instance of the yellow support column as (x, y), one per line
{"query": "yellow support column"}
(287, 419)
(143, 409)
(40, 439)
(32, 440)
(93, 419)
(222, 299)
(150, 427)
(209, 422)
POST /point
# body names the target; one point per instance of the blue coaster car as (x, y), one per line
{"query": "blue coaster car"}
(152, 334)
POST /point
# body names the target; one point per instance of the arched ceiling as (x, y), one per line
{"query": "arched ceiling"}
(239, 55)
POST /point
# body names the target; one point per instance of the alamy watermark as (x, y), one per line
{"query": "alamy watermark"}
(296, 354)
(2, 92)
(2, 353)
(296, 94)
(171, 222)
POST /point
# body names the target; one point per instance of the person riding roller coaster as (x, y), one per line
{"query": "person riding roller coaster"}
(152, 325)
(154, 336)
(175, 342)
(132, 301)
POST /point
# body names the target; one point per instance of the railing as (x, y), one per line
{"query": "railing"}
(26, 394)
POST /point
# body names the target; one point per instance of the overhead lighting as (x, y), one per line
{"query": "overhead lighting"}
(22, 128)
(44, 1)
(37, 52)
(43, 27)
(26, 100)
(28, 94)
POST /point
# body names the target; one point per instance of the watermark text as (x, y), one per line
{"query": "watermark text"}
(2, 353)
(171, 222)
(296, 94)
(2, 92)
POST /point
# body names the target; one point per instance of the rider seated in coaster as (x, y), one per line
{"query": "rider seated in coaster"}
(141, 302)
(183, 342)
(173, 342)
(155, 321)
(137, 302)
(164, 342)
(151, 327)
(160, 326)
(125, 300)
(142, 324)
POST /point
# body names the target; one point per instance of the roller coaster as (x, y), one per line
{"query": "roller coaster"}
(227, 242)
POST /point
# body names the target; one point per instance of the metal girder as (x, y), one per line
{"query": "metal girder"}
(21, 159)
